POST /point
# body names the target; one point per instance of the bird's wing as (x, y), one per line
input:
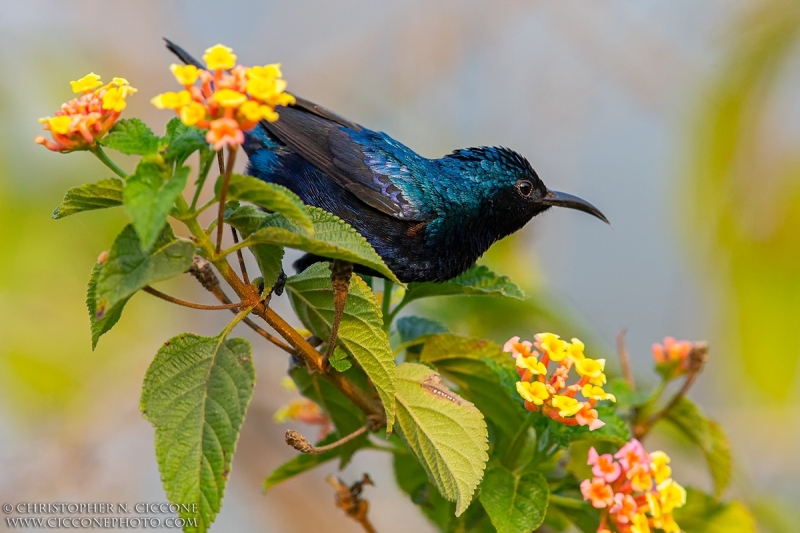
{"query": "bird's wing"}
(361, 161)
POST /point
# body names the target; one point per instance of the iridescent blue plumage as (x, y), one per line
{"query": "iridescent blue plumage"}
(430, 219)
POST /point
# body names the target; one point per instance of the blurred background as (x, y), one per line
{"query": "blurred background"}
(680, 120)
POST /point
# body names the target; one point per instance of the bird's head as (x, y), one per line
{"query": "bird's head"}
(510, 189)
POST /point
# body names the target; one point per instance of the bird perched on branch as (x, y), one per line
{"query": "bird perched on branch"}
(429, 219)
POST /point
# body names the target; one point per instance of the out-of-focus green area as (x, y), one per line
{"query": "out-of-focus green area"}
(733, 208)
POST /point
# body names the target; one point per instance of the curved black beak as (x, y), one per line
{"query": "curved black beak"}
(562, 199)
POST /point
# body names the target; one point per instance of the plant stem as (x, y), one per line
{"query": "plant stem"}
(97, 150)
(301, 444)
(205, 167)
(223, 193)
(242, 267)
(184, 303)
(518, 442)
(386, 305)
(569, 503)
(238, 318)
(624, 360)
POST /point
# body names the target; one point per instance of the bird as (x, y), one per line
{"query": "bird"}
(428, 219)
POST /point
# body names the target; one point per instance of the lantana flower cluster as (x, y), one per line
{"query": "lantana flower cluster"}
(231, 98)
(634, 489)
(548, 391)
(672, 357)
(83, 120)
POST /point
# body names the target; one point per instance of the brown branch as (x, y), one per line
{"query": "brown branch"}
(223, 193)
(301, 444)
(350, 501)
(242, 266)
(201, 270)
(624, 360)
(158, 294)
(312, 359)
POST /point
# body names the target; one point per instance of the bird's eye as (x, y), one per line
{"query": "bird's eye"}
(525, 187)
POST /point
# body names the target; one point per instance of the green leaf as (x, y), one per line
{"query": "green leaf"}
(148, 198)
(333, 238)
(413, 480)
(346, 417)
(271, 197)
(478, 280)
(130, 268)
(131, 136)
(516, 503)
(90, 196)
(615, 429)
(360, 332)
(339, 360)
(446, 433)
(413, 327)
(109, 320)
(246, 220)
(195, 394)
(704, 514)
(182, 141)
(467, 363)
(708, 436)
(302, 462)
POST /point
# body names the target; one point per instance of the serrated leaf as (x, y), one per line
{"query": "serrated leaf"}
(515, 502)
(467, 362)
(360, 332)
(345, 416)
(333, 238)
(302, 462)
(181, 141)
(148, 198)
(708, 436)
(131, 136)
(90, 196)
(446, 433)
(130, 268)
(704, 514)
(478, 280)
(271, 197)
(103, 325)
(246, 220)
(615, 429)
(195, 394)
(339, 360)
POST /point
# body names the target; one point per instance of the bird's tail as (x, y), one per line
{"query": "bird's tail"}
(182, 54)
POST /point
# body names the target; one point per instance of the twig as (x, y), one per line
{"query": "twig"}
(201, 270)
(624, 359)
(697, 359)
(184, 303)
(301, 444)
(350, 501)
(242, 266)
(223, 193)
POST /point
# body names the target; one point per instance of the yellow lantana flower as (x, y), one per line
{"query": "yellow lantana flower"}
(597, 393)
(57, 124)
(659, 462)
(671, 495)
(535, 392)
(229, 98)
(271, 71)
(591, 368)
(531, 363)
(185, 74)
(87, 83)
(192, 114)
(567, 406)
(219, 57)
(171, 100)
(552, 345)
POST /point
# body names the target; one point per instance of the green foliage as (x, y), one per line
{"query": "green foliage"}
(704, 514)
(708, 436)
(478, 280)
(149, 195)
(195, 394)
(515, 502)
(446, 433)
(181, 141)
(361, 331)
(129, 268)
(272, 197)
(100, 326)
(302, 463)
(333, 238)
(339, 360)
(411, 328)
(413, 480)
(246, 219)
(90, 196)
(131, 136)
